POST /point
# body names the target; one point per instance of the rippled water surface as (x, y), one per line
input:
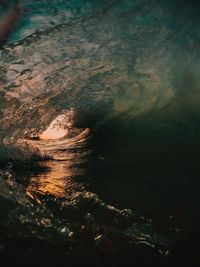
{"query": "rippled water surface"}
(100, 131)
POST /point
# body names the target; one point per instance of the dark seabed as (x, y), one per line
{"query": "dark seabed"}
(99, 132)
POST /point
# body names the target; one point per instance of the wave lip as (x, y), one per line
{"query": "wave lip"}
(59, 140)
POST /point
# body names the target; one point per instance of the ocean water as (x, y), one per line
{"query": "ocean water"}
(134, 71)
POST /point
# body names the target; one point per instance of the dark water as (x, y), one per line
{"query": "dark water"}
(144, 114)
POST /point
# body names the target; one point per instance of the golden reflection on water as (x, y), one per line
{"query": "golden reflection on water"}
(65, 146)
(57, 181)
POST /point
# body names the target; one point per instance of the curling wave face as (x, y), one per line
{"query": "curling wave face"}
(114, 59)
